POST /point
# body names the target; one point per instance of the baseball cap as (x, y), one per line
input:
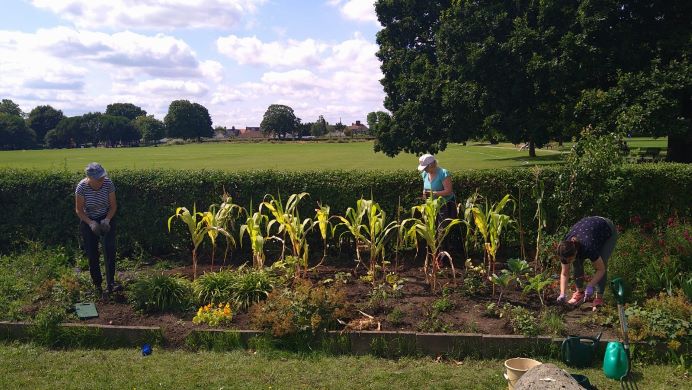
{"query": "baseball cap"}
(425, 160)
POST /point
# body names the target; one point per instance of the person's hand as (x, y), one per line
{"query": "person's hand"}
(105, 225)
(588, 293)
(94, 226)
(106, 221)
(560, 299)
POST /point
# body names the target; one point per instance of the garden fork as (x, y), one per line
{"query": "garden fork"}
(627, 381)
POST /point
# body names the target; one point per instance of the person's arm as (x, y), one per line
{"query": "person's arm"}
(447, 188)
(79, 209)
(113, 205)
(599, 265)
(564, 278)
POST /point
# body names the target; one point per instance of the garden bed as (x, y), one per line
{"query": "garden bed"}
(415, 308)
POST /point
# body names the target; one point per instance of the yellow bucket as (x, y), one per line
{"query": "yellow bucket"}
(516, 367)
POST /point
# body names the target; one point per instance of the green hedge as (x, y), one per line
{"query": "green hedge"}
(39, 205)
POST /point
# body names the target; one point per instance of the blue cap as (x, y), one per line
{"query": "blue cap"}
(95, 171)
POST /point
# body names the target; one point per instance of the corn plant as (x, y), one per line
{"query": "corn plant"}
(353, 222)
(538, 284)
(467, 212)
(490, 222)
(368, 225)
(424, 224)
(225, 218)
(253, 228)
(540, 216)
(326, 228)
(196, 226)
(288, 223)
(503, 280)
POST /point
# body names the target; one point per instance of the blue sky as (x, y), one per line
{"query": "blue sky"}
(235, 57)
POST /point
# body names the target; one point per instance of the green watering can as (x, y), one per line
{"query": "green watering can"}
(616, 361)
(579, 351)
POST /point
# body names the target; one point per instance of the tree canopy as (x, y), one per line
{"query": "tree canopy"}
(42, 119)
(9, 107)
(532, 71)
(150, 128)
(188, 120)
(128, 110)
(14, 133)
(279, 120)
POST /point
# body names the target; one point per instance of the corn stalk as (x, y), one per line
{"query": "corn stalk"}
(288, 223)
(196, 226)
(253, 228)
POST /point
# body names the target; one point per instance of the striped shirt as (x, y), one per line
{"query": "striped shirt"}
(96, 203)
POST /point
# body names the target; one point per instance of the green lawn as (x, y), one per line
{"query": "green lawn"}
(284, 156)
(29, 367)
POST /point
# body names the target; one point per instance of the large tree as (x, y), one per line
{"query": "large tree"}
(279, 120)
(7, 106)
(188, 120)
(319, 128)
(529, 70)
(14, 133)
(128, 110)
(118, 130)
(151, 128)
(42, 119)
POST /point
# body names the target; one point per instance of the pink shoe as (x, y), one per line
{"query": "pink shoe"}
(598, 301)
(577, 298)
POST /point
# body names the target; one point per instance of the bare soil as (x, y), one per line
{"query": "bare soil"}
(415, 304)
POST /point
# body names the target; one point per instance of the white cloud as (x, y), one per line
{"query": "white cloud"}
(162, 14)
(358, 10)
(252, 51)
(176, 89)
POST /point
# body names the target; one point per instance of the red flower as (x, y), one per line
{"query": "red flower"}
(635, 220)
(672, 222)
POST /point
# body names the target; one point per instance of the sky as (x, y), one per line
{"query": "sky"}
(235, 57)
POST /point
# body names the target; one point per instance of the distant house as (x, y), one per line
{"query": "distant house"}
(251, 132)
(358, 129)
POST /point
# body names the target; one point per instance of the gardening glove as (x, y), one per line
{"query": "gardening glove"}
(94, 226)
(105, 226)
(561, 298)
(588, 293)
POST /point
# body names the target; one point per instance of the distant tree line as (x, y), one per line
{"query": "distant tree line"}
(533, 71)
(122, 124)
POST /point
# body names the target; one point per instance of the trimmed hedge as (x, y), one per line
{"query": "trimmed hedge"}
(39, 205)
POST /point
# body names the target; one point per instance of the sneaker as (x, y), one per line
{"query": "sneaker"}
(577, 298)
(598, 301)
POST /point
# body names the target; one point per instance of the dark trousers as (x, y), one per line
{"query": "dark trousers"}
(91, 247)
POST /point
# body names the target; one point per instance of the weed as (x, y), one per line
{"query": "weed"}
(160, 293)
(552, 322)
(442, 305)
(396, 317)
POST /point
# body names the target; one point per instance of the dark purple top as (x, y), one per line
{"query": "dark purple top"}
(592, 233)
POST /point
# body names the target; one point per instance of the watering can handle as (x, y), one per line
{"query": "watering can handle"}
(563, 352)
(618, 287)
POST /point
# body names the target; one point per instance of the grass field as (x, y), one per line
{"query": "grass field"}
(280, 156)
(291, 156)
(29, 367)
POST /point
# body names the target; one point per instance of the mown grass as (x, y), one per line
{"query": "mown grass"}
(280, 156)
(29, 367)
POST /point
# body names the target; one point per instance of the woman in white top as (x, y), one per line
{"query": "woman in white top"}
(95, 205)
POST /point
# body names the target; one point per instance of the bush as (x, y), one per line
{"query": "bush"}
(306, 309)
(243, 287)
(662, 318)
(160, 293)
(146, 198)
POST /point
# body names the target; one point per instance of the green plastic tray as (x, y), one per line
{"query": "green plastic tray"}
(86, 310)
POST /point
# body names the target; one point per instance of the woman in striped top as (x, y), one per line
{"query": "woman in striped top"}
(95, 205)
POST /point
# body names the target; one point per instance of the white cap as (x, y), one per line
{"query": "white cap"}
(425, 160)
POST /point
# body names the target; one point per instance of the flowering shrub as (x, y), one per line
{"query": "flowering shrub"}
(664, 317)
(214, 315)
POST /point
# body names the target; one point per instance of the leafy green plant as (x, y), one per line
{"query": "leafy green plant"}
(518, 268)
(326, 229)
(45, 327)
(538, 284)
(442, 305)
(490, 222)
(196, 226)
(521, 320)
(396, 317)
(160, 293)
(474, 280)
(251, 286)
(503, 280)
(552, 322)
(214, 287)
(253, 229)
(424, 224)
(541, 216)
(288, 222)
(221, 220)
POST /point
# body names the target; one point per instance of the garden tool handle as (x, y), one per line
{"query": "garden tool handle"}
(618, 287)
